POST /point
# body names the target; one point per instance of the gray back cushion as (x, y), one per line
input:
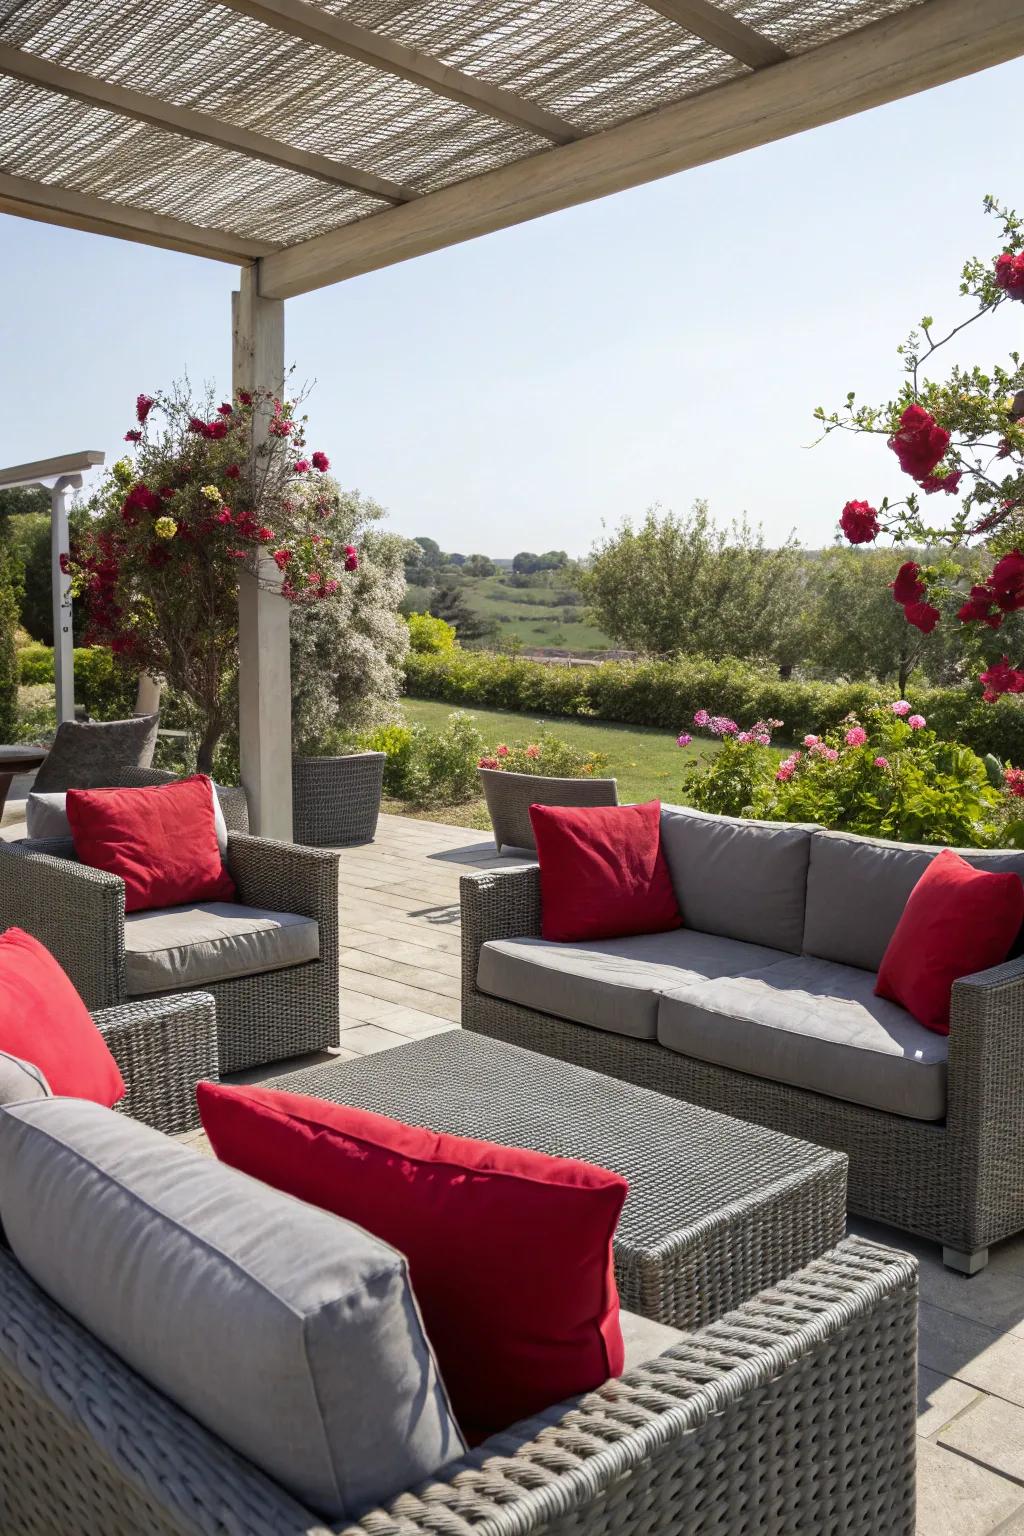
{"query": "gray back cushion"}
(741, 879)
(291, 1335)
(46, 815)
(20, 1080)
(857, 888)
(86, 753)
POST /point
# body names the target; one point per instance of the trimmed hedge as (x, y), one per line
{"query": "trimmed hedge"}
(105, 689)
(667, 693)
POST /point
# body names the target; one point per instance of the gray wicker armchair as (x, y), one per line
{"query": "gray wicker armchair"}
(78, 913)
(958, 1181)
(794, 1413)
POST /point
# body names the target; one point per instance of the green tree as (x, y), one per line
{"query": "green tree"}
(853, 628)
(684, 584)
(526, 563)
(479, 565)
(8, 655)
(448, 602)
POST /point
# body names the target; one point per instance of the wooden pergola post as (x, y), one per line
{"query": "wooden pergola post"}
(264, 662)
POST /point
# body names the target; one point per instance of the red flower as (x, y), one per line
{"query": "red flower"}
(238, 554)
(224, 409)
(351, 558)
(302, 467)
(1010, 274)
(224, 516)
(978, 608)
(197, 426)
(232, 471)
(217, 429)
(922, 615)
(920, 443)
(140, 499)
(265, 534)
(158, 555)
(143, 405)
(133, 437)
(1001, 678)
(282, 557)
(1007, 581)
(1005, 448)
(908, 587)
(65, 565)
(321, 462)
(1013, 780)
(279, 427)
(859, 522)
(949, 483)
(244, 397)
(167, 491)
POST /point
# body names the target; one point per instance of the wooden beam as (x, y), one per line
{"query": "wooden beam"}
(79, 210)
(723, 31)
(51, 469)
(194, 125)
(313, 25)
(936, 41)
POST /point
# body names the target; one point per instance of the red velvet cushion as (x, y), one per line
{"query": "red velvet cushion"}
(509, 1251)
(957, 920)
(602, 872)
(162, 841)
(43, 1020)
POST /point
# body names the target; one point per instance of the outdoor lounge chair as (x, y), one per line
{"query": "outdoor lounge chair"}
(270, 960)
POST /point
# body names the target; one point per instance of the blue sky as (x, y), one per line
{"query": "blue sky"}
(524, 389)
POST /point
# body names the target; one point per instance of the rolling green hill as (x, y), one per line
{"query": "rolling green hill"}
(546, 614)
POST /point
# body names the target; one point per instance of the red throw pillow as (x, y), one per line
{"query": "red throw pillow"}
(161, 840)
(602, 872)
(957, 920)
(509, 1251)
(43, 1020)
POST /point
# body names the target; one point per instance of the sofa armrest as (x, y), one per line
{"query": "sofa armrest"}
(285, 877)
(496, 904)
(163, 1047)
(985, 1073)
(77, 912)
(730, 1418)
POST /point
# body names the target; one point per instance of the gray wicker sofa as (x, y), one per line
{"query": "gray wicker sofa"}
(796, 1412)
(763, 1007)
(280, 996)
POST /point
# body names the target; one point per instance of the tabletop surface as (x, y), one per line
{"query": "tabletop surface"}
(684, 1163)
(21, 756)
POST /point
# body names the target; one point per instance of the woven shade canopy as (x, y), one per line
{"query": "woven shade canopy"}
(329, 137)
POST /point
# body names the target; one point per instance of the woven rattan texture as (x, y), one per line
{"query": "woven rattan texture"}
(510, 795)
(78, 913)
(336, 800)
(795, 1413)
(163, 1047)
(716, 1210)
(959, 1182)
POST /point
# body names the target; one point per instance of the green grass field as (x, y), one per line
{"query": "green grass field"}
(520, 616)
(647, 763)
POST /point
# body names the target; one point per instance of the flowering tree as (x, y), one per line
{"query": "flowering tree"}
(208, 495)
(961, 441)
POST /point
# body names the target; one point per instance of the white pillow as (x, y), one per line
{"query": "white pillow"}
(46, 816)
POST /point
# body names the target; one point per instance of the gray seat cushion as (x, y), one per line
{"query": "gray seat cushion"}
(814, 1025)
(741, 879)
(20, 1080)
(290, 1334)
(611, 984)
(86, 753)
(171, 949)
(857, 888)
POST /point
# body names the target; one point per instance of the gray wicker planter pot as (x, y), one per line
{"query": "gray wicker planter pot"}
(510, 795)
(336, 800)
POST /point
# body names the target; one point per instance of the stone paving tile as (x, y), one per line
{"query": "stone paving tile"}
(940, 1399)
(957, 1346)
(956, 1497)
(992, 1433)
(424, 976)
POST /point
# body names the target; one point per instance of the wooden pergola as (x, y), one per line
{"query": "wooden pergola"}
(308, 141)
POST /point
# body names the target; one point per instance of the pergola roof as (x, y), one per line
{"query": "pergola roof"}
(330, 137)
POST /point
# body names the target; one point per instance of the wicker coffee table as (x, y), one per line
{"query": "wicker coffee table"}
(717, 1211)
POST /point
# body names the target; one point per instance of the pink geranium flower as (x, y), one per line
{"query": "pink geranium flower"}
(501, 751)
(681, 741)
(881, 762)
(856, 736)
(702, 718)
(901, 707)
(917, 722)
(811, 741)
(533, 750)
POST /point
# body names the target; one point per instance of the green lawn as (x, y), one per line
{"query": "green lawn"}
(646, 762)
